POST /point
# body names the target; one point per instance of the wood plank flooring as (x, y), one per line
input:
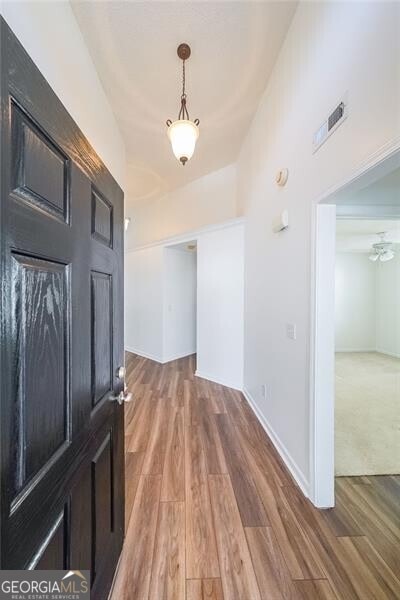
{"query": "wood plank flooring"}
(213, 514)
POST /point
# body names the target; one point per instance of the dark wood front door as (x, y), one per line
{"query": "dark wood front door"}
(62, 478)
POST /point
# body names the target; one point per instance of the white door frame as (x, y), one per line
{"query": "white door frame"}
(322, 342)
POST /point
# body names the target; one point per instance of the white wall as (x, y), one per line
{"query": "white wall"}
(160, 303)
(331, 48)
(388, 306)
(220, 295)
(180, 288)
(367, 304)
(51, 36)
(208, 200)
(144, 302)
(355, 303)
(158, 277)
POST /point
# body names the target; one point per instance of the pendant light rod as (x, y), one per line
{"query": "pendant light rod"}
(183, 113)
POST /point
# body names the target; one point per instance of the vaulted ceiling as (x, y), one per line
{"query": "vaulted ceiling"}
(133, 47)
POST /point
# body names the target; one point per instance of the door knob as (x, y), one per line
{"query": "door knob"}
(123, 397)
(121, 372)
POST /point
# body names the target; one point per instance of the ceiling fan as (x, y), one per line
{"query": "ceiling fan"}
(382, 250)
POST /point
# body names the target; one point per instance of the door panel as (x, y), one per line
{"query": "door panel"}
(80, 541)
(40, 168)
(101, 335)
(52, 554)
(102, 504)
(62, 476)
(40, 320)
(102, 219)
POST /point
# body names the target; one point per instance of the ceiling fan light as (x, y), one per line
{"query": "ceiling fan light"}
(183, 136)
(382, 249)
(388, 255)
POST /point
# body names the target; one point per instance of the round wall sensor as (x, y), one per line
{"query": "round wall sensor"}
(282, 177)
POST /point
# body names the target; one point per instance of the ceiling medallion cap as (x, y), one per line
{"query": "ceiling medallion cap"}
(183, 51)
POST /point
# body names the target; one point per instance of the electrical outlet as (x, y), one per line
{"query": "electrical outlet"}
(264, 391)
(291, 332)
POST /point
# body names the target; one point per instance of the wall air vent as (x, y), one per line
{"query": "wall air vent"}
(331, 123)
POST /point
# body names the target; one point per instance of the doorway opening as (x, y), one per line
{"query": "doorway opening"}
(371, 195)
(367, 346)
(180, 300)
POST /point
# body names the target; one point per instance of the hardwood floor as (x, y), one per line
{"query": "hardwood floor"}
(213, 514)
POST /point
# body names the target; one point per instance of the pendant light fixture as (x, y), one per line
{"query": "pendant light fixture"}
(183, 132)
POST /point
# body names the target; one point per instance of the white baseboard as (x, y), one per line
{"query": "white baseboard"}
(380, 351)
(224, 382)
(178, 356)
(340, 350)
(156, 358)
(144, 354)
(280, 446)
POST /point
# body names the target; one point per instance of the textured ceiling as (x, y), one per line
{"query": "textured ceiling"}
(133, 46)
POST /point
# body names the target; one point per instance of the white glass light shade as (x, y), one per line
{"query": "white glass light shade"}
(373, 257)
(183, 136)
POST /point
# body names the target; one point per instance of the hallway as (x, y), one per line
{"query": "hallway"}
(212, 513)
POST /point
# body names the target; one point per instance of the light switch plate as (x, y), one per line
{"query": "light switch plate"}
(291, 331)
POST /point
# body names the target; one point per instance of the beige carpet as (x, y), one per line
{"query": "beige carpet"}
(367, 414)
